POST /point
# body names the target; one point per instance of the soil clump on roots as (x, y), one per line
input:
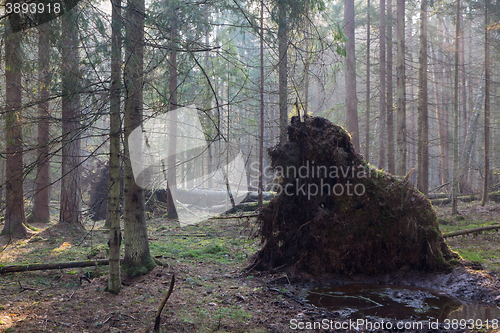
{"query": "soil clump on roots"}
(337, 214)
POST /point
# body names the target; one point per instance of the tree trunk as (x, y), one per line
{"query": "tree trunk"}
(261, 129)
(137, 259)
(172, 142)
(71, 196)
(465, 158)
(400, 92)
(454, 209)
(423, 122)
(282, 68)
(412, 149)
(381, 151)
(113, 213)
(307, 63)
(41, 198)
(447, 124)
(208, 107)
(486, 108)
(2, 178)
(389, 87)
(14, 211)
(464, 88)
(350, 73)
(439, 118)
(367, 115)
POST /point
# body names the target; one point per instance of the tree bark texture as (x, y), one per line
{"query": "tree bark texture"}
(423, 121)
(464, 88)
(172, 142)
(400, 92)
(283, 68)
(486, 107)
(389, 88)
(14, 211)
(454, 209)
(71, 197)
(41, 199)
(439, 117)
(61, 265)
(350, 73)
(261, 91)
(382, 110)
(367, 114)
(113, 209)
(137, 258)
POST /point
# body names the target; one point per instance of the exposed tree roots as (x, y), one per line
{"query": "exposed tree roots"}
(337, 214)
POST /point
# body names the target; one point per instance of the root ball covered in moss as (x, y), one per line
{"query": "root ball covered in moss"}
(337, 214)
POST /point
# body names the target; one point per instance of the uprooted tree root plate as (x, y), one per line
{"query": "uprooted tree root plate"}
(337, 214)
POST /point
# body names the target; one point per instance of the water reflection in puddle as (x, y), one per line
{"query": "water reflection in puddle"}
(388, 301)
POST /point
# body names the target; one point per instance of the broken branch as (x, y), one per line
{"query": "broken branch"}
(162, 305)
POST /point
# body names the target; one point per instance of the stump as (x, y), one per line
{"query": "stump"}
(337, 214)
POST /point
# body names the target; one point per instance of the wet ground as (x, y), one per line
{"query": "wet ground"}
(463, 300)
(396, 302)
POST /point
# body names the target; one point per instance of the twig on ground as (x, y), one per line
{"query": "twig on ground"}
(104, 322)
(127, 315)
(59, 322)
(162, 305)
(290, 296)
(24, 288)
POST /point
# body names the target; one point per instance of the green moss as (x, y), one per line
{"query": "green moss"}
(435, 232)
(391, 225)
(146, 264)
(443, 263)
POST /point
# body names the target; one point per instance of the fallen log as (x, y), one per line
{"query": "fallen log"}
(243, 207)
(439, 187)
(233, 217)
(493, 196)
(471, 231)
(437, 196)
(61, 265)
(464, 198)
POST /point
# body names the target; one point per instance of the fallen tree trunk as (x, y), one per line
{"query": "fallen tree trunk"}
(437, 196)
(464, 198)
(61, 265)
(439, 187)
(471, 231)
(493, 196)
(244, 207)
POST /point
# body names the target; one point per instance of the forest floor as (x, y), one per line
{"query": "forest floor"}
(211, 294)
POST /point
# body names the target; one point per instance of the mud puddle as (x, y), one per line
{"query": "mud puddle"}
(396, 302)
